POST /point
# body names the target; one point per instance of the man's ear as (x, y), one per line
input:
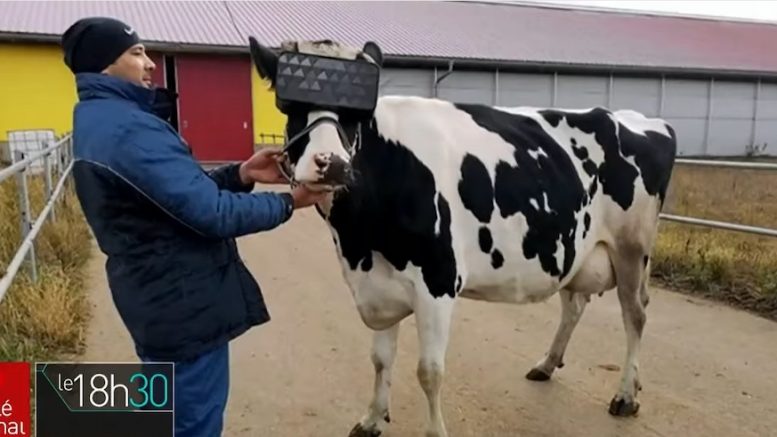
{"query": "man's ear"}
(370, 48)
(265, 60)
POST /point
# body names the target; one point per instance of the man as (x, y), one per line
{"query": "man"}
(166, 226)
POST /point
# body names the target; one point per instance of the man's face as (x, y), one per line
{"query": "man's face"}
(133, 66)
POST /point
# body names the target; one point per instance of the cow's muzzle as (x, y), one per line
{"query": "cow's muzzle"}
(333, 170)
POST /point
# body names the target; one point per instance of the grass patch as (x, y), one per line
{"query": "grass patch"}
(44, 320)
(734, 267)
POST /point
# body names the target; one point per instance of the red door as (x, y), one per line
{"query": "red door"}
(215, 106)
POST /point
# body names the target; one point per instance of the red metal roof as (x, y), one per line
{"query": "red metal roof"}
(460, 30)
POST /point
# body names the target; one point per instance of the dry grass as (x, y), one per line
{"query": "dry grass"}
(44, 320)
(730, 266)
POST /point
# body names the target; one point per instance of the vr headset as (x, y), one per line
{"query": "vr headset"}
(305, 82)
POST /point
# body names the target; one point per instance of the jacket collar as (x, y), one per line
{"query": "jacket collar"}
(102, 86)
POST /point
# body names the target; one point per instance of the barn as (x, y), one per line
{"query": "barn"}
(714, 80)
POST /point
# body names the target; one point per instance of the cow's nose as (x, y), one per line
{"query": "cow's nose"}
(338, 171)
(322, 160)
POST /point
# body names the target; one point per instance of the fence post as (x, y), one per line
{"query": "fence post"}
(25, 215)
(47, 175)
(67, 151)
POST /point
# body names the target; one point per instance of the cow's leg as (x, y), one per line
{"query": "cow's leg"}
(631, 279)
(643, 289)
(594, 276)
(572, 306)
(433, 319)
(384, 349)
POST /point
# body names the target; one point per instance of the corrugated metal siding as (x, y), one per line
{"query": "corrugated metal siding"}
(440, 29)
(639, 94)
(732, 117)
(685, 107)
(766, 131)
(581, 91)
(721, 123)
(525, 89)
(468, 87)
(406, 82)
(718, 119)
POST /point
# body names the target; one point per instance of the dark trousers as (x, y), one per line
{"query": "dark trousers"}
(200, 394)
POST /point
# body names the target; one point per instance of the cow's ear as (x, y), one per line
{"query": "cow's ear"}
(370, 48)
(265, 60)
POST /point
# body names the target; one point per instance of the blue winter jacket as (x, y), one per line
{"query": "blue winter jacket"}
(166, 226)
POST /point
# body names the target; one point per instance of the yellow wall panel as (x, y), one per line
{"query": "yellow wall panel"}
(37, 90)
(267, 118)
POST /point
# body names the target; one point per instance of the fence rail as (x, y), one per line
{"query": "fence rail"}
(742, 165)
(63, 151)
(270, 139)
(695, 221)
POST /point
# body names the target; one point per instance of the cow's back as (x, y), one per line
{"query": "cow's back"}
(528, 192)
(532, 190)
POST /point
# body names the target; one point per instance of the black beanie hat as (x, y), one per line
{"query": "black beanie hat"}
(91, 44)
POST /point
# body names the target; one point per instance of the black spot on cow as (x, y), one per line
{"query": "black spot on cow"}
(592, 189)
(554, 118)
(586, 223)
(553, 174)
(458, 283)
(616, 175)
(475, 189)
(653, 154)
(485, 240)
(392, 209)
(497, 259)
(590, 167)
(580, 152)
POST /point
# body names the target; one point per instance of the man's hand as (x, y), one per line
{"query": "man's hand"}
(304, 196)
(262, 167)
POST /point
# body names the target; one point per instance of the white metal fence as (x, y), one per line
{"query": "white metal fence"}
(720, 224)
(57, 160)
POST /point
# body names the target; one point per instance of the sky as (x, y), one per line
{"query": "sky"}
(764, 10)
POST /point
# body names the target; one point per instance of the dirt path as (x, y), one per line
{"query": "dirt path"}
(706, 369)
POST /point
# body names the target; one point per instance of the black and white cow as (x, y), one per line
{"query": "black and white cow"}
(440, 201)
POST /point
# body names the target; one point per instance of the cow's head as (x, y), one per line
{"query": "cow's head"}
(326, 90)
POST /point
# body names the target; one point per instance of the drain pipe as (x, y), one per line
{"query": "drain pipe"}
(443, 76)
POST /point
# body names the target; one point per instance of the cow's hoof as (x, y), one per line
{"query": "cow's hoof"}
(536, 374)
(623, 408)
(360, 431)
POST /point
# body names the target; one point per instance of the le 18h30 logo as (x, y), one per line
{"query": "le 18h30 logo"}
(15, 399)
